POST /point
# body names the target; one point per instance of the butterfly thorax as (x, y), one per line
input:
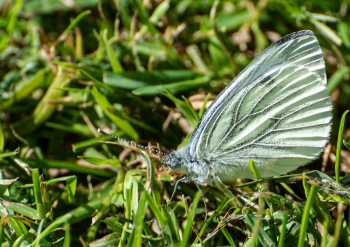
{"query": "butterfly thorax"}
(182, 162)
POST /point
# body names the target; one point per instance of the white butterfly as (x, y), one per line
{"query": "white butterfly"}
(276, 112)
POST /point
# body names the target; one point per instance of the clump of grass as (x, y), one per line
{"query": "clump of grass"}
(123, 66)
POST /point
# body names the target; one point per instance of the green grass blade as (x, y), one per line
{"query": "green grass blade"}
(172, 87)
(254, 224)
(37, 192)
(337, 78)
(339, 145)
(107, 107)
(206, 224)
(305, 220)
(283, 233)
(190, 219)
(136, 239)
(76, 215)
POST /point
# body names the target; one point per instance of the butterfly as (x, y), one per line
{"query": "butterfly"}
(276, 112)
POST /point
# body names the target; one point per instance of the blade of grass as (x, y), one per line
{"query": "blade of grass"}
(228, 237)
(37, 193)
(143, 15)
(97, 82)
(211, 218)
(283, 230)
(18, 226)
(203, 108)
(82, 212)
(185, 108)
(305, 220)
(190, 219)
(134, 80)
(9, 154)
(116, 65)
(337, 78)
(338, 226)
(258, 233)
(271, 222)
(107, 107)
(172, 87)
(136, 235)
(67, 236)
(23, 209)
(339, 145)
(325, 234)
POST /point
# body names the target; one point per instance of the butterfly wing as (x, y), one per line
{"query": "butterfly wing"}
(276, 112)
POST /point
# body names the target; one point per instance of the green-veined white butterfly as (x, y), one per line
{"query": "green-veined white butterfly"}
(276, 112)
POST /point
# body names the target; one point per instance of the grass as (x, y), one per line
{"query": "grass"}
(134, 69)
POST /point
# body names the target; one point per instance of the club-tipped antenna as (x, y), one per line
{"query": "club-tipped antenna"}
(131, 144)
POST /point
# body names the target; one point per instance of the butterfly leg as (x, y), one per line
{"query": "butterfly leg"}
(203, 198)
(181, 180)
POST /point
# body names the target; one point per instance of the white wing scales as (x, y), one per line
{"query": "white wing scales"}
(276, 111)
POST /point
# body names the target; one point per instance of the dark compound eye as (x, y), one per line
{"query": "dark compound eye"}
(171, 160)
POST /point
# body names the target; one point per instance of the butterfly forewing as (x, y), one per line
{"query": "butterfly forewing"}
(277, 112)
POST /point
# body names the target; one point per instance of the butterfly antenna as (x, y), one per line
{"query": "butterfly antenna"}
(131, 144)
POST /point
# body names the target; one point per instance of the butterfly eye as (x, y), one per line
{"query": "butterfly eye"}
(172, 160)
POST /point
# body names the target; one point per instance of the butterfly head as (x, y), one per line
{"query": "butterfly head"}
(172, 161)
(175, 162)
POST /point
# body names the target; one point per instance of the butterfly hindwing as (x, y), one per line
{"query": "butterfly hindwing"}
(276, 111)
